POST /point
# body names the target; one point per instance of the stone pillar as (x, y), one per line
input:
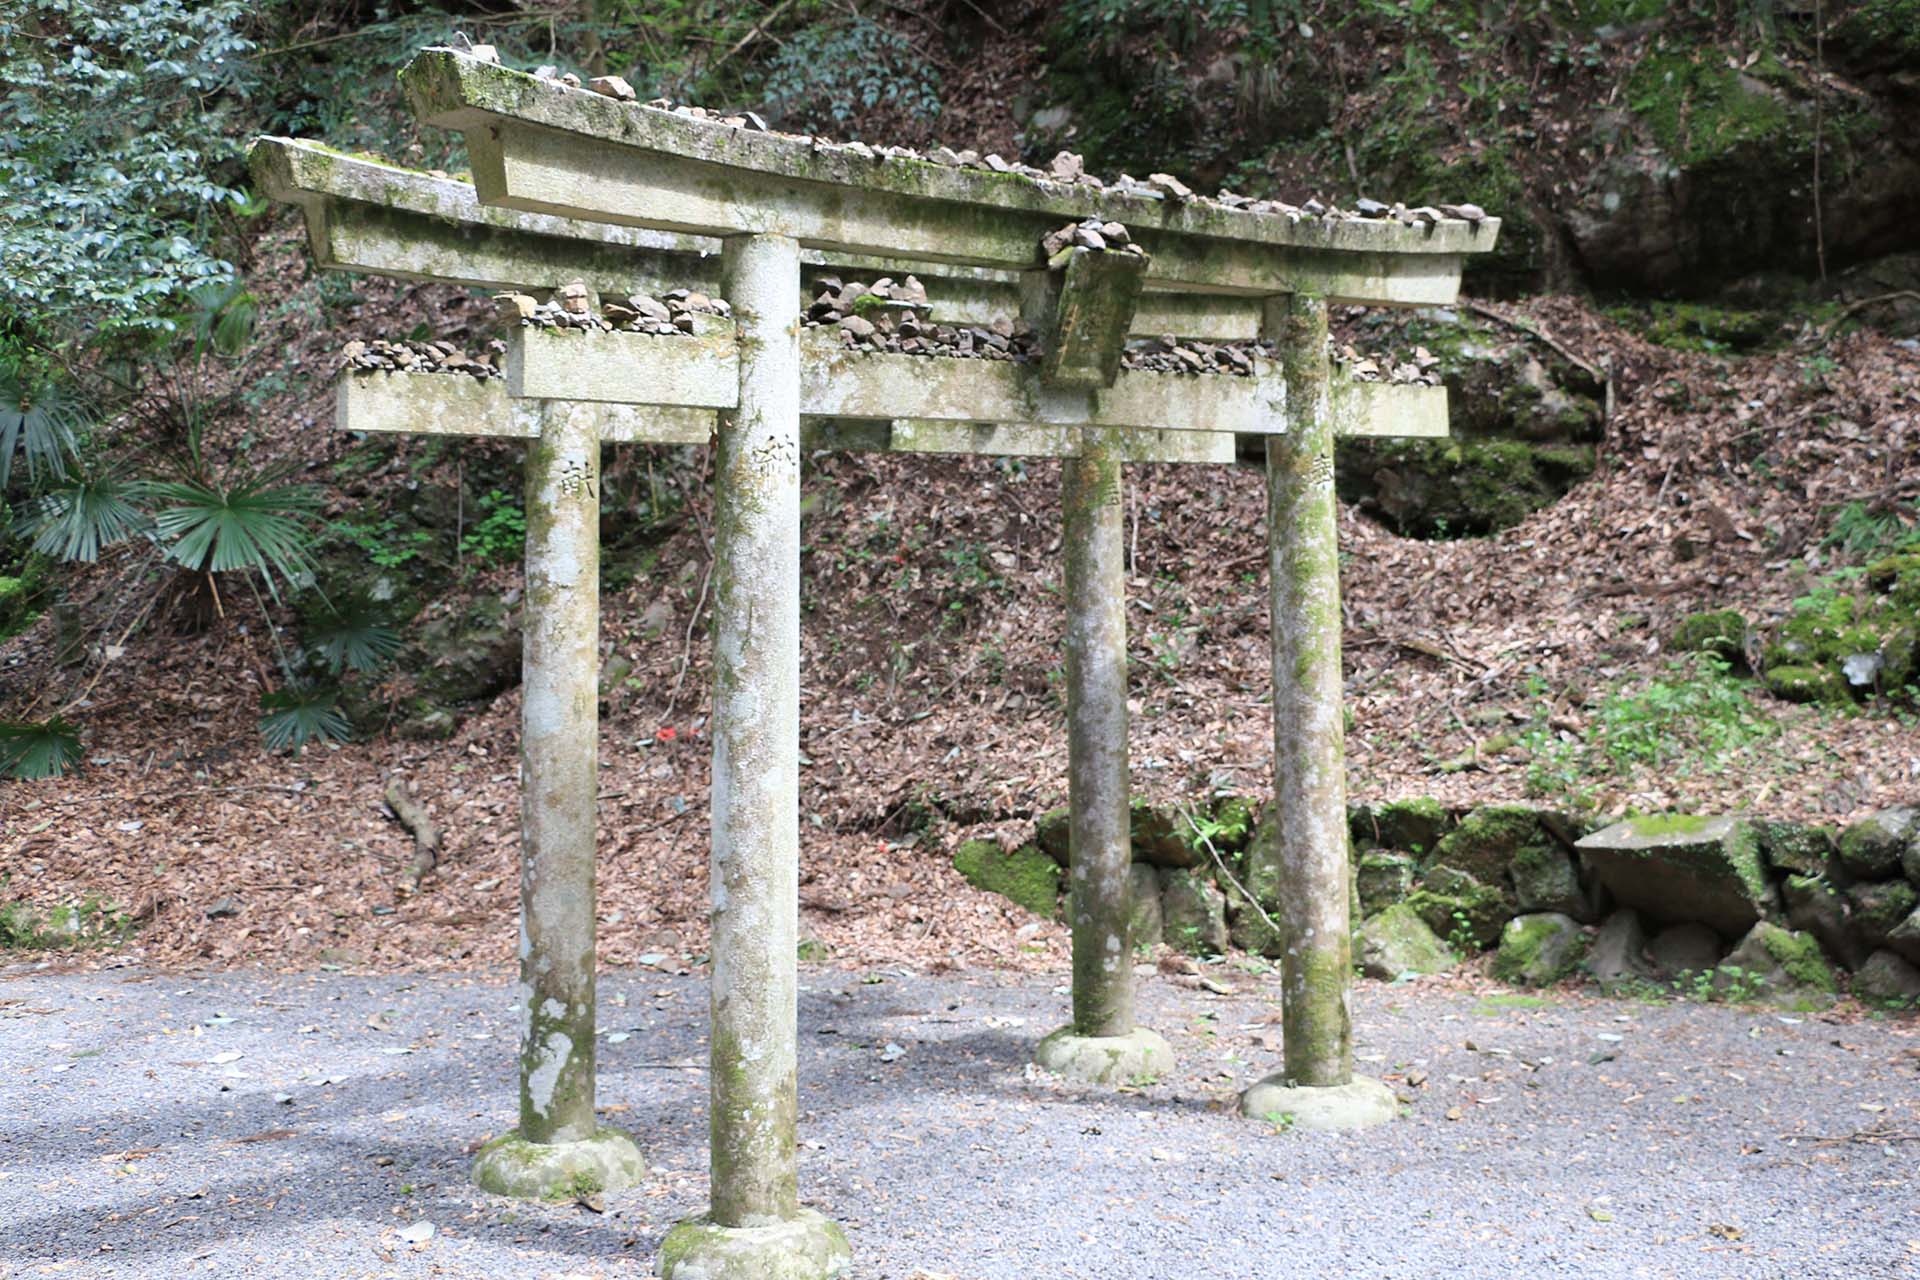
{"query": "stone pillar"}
(1101, 1044)
(1317, 1088)
(559, 1145)
(755, 1226)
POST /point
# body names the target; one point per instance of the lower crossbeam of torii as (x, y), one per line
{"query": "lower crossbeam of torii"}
(764, 387)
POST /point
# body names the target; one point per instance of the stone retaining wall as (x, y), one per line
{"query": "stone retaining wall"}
(1730, 907)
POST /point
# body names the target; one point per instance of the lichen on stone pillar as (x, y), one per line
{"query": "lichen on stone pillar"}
(755, 1227)
(559, 1142)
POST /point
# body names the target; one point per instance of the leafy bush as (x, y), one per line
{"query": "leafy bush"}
(824, 75)
(501, 533)
(116, 132)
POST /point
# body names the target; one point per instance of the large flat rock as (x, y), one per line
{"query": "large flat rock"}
(1677, 870)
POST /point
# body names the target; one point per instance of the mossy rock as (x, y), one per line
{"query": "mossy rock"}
(1797, 848)
(1814, 906)
(1145, 927)
(1053, 833)
(1875, 847)
(1410, 826)
(1249, 930)
(1774, 966)
(1488, 838)
(1905, 937)
(1460, 909)
(1456, 488)
(472, 655)
(1796, 683)
(1676, 868)
(1836, 647)
(1382, 879)
(1193, 913)
(1897, 577)
(1547, 879)
(1874, 911)
(1163, 837)
(1026, 875)
(1722, 632)
(1397, 942)
(1888, 981)
(1540, 949)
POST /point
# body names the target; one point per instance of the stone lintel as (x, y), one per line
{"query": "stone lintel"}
(543, 147)
(453, 404)
(839, 382)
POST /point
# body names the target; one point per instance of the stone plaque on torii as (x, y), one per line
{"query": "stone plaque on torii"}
(572, 185)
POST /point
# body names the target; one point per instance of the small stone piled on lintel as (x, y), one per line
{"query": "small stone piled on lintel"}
(409, 355)
(572, 308)
(1168, 354)
(893, 316)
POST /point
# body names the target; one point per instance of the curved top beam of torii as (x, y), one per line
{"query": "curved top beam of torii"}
(540, 146)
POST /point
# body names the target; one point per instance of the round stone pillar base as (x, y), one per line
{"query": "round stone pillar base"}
(512, 1166)
(1360, 1103)
(808, 1246)
(1139, 1056)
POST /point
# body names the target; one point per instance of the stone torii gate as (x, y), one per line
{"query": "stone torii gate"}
(572, 184)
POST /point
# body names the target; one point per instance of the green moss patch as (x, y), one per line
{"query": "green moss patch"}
(1025, 874)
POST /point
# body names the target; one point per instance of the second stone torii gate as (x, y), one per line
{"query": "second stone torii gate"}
(545, 149)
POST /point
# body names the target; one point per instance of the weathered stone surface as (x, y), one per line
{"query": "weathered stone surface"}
(472, 655)
(1888, 979)
(1408, 826)
(1905, 938)
(1361, 1103)
(1053, 832)
(1777, 967)
(1397, 942)
(1676, 869)
(1249, 929)
(807, 1246)
(1874, 911)
(1460, 909)
(1025, 874)
(1797, 848)
(511, 1166)
(1193, 913)
(1145, 927)
(1162, 837)
(1618, 954)
(1875, 847)
(1539, 950)
(1814, 906)
(1546, 878)
(1685, 948)
(1138, 1057)
(1485, 842)
(1382, 880)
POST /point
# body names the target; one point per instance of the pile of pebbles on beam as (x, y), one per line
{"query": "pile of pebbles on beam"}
(572, 308)
(1090, 233)
(412, 356)
(893, 316)
(1174, 355)
(1065, 169)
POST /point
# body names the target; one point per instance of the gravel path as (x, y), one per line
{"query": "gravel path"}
(250, 1125)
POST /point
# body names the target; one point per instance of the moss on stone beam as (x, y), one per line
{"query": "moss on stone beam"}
(542, 146)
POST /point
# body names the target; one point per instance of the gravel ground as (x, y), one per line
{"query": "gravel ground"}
(160, 1125)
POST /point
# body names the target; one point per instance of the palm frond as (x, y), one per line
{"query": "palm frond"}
(38, 749)
(292, 718)
(356, 634)
(253, 525)
(76, 520)
(39, 418)
(223, 317)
